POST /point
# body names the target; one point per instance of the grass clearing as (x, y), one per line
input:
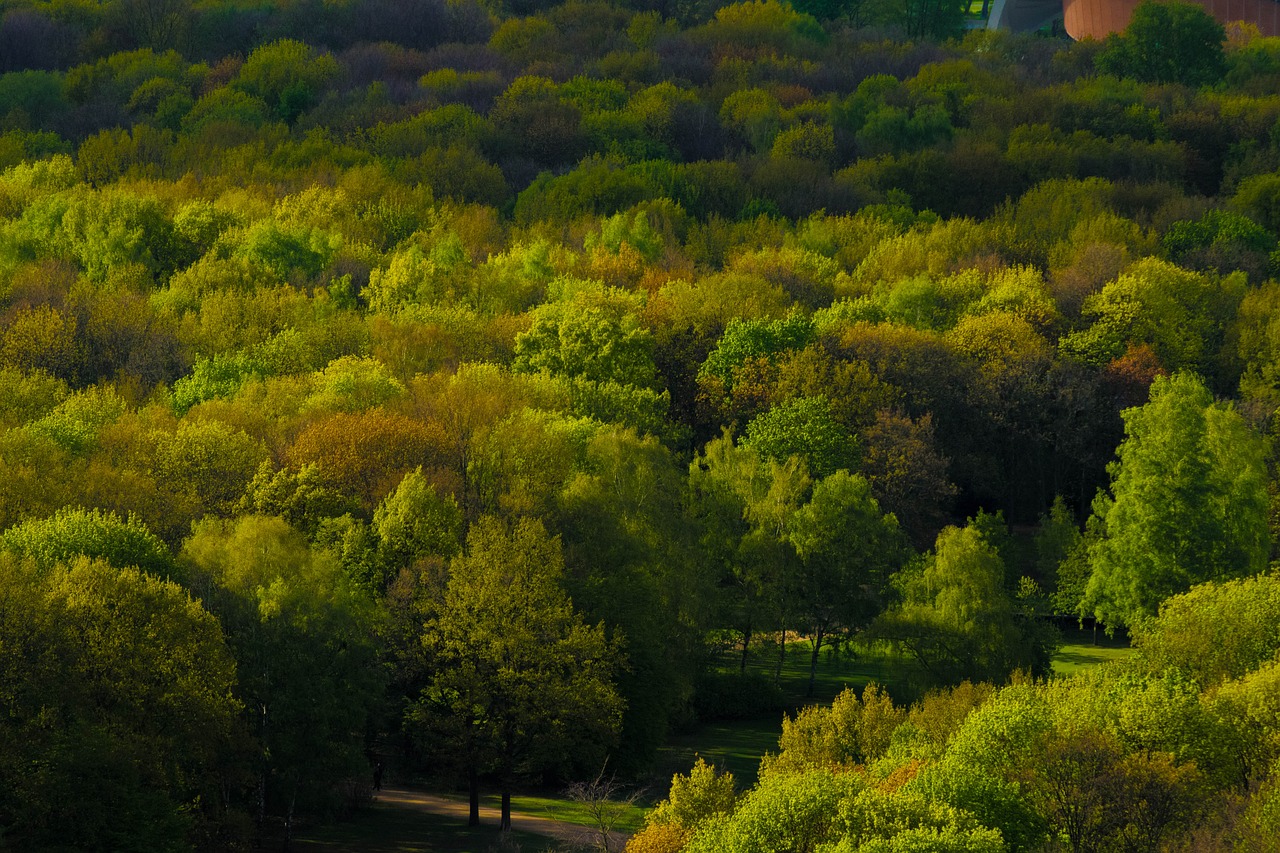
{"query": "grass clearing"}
(568, 811)
(852, 665)
(1082, 650)
(733, 745)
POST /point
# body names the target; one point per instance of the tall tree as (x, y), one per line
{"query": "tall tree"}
(521, 683)
(1188, 503)
(744, 502)
(303, 636)
(847, 550)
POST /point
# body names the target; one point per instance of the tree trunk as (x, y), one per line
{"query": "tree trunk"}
(782, 656)
(746, 640)
(288, 819)
(473, 798)
(813, 662)
(505, 825)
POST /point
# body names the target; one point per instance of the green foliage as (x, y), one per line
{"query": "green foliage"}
(358, 275)
(287, 75)
(105, 232)
(1187, 504)
(288, 252)
(693, 799)
(592, 337)
(210, 461)
(520, 683)
(414, 522)
(118, 710)
(783, 812)
(30, 99)
(957, 619)
(353, 384)
(1168, 42)
(1215, 631)
(1221, 241)
(749, 339)
(71, 533)
(308, 676)
(804, 428)
(848, 550)
(299, 497)
(76, 422)
(1179, 313)
(849, 733)
(1062, 558)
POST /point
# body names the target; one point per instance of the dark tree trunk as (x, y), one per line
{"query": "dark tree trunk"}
(813, 662)
(288, 819)
(505, 826)
(473, 798)
(782, 657)
(746, 641)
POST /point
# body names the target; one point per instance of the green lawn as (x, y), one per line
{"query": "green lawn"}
(853, 666)
(568, 811)
(1080, 651)
(385, 829)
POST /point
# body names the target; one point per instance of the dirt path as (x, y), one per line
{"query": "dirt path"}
(570, 833)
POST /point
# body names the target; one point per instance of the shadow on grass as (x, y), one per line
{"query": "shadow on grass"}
(384, 828)
(738, 745)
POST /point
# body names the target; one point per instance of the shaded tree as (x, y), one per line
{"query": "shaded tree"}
(521, 684)
(1167, 42)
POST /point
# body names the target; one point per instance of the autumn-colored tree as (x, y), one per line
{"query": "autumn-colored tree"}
(366, 454)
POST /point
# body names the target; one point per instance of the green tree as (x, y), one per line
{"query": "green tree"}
(788, 813)
(521, 684)
(1057, 538)
(414, 521)
(1188, 504)
(1215, 631)
(1167, 42)
(805, 428)
(288, 75)
(692, 799)
(957, 620)
(849, 733)
(117, 716)
(303, 634)
(73, 532)
(847, 549)
(744, 503)
(630, 560)
(596, 339)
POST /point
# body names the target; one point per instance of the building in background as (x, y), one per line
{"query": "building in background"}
(1099, 18)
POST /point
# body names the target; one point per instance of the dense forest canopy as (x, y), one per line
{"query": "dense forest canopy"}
(444, 380)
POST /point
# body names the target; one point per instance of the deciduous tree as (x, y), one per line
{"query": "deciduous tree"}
(521, 684)
(1187, 504)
